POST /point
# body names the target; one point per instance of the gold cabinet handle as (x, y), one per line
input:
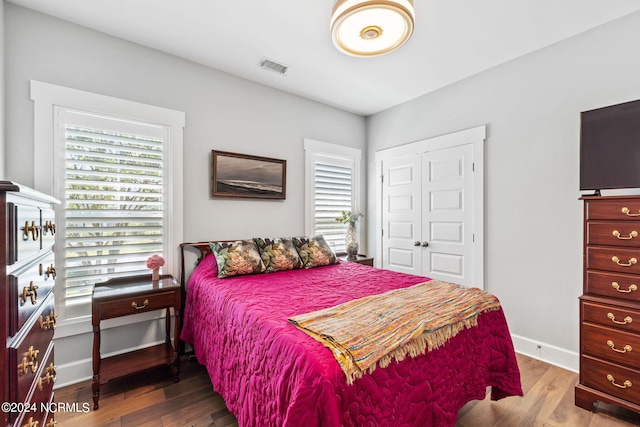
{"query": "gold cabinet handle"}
(49, 226)
(31, 228)
(49, 376)
(627, 212)
(30, 292)
(626, 384)
(626, 320)
(144, 304)
(627, 348)
(31, 423)
(29, 360)
(617, 234)
(51, 422)
(49, 322)
(51, 271)
(631, 262)
(616, 286)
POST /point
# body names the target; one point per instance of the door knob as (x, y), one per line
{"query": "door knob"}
(425, 244)
(416, 243)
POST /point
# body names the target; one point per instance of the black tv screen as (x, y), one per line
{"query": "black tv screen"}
(610, 147)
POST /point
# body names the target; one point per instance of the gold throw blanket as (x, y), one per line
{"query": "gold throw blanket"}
(372, 331)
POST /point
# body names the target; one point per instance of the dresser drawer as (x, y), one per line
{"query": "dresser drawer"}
(139, 304)
(619, 233)
(42, 388)
(610, 378)
(618, 318)
(611, 345)
(613, 209)
(28, 288)
(614, 285)
(27, 355)
(622, 260)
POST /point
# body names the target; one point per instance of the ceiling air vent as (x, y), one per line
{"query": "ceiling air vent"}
(267, 64)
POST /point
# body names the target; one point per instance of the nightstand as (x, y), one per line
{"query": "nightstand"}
(132, 295)
(360, 259)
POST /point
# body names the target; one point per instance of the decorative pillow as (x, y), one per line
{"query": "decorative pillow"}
(278, 254)
(314, 251)
(235, 258)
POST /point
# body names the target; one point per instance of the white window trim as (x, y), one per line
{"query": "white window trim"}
(312, 149)
(47, 98)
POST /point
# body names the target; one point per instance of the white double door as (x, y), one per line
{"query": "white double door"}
(429, 214)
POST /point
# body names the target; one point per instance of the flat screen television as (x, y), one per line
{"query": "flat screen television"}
(610, 147)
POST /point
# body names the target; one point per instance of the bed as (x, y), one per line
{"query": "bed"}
(270, 373)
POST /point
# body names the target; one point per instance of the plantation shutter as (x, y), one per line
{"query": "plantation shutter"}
(114, 186)
(333, 193)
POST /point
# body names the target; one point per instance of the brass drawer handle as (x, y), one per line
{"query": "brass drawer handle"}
(30, 292)
(29, 360)
(51, 271)
(631, 262)
(633, 234)
(626, 384)
(616, 286)
(144, 304)
(626, 320)
(49, 376)
(51, 423)
(627, 348)
(33, 229)
(627, 212)
(31, 423)
(49, 322)
(49, 226)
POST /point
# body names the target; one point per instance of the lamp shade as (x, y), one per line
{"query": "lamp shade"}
(370, 27)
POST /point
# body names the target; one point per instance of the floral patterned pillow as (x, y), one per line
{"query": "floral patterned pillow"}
(314, 251)
(278, 254)
(235, 258)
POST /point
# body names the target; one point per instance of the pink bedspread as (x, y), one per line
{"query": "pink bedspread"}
(272, 374)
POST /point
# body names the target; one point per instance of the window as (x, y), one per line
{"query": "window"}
(332, 186)
(116, 169)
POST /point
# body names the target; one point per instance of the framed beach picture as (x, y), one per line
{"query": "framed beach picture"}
(245, 176)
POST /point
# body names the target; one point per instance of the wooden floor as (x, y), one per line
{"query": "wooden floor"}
(153, 399)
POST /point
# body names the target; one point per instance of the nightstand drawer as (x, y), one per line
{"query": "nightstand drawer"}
(612, 345)
(611, 379)
(618, 318)
(138, 304)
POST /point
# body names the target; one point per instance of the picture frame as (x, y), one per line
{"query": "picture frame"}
(245, 176)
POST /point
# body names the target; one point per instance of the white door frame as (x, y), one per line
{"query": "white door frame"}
(475, 136)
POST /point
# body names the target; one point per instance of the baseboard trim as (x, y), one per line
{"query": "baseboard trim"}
(557, 356)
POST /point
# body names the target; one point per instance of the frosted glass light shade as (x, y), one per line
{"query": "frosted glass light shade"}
(369, 27)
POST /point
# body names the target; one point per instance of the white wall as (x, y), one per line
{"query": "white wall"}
(533, 229)
(222, 112)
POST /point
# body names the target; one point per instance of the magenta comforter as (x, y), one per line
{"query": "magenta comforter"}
(272, 374)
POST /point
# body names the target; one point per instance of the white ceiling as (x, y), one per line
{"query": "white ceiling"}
(453, 39)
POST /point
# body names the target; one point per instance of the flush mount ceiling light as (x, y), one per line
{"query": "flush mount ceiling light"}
(371, 27)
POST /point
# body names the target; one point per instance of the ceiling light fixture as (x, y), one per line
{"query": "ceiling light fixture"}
(371, 27)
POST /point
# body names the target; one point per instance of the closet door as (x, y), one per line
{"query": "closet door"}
(401, 207)
(447, 249)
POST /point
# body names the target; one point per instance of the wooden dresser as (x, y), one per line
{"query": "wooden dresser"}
(27, 277)
(610, 304)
